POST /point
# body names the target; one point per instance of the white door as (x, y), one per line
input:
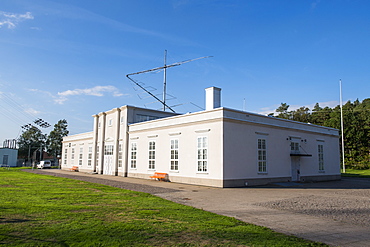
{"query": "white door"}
(296, 165)
(108, 165)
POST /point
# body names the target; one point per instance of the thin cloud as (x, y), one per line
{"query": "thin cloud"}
(314, 4)
(11, 20)
(98, 91)
(32, 111)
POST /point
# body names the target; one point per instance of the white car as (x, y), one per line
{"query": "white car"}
(44, 164)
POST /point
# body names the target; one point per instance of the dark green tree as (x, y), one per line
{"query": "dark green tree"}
(55, 138)
(302, 114)
(29, 141)
(283, 111)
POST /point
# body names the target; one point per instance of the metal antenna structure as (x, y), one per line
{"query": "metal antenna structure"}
(164, 67)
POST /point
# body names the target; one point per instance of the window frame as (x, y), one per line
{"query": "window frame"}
(320, 154)
(262, 155)
(151, 155)
(202, 154)
(133, 155)
(174, 155)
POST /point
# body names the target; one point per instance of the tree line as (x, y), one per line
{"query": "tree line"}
(32, 142)
(356, 127)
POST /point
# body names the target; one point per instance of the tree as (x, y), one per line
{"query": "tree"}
(302, 114)
(29, 141)
(283, 111)
(55, 138)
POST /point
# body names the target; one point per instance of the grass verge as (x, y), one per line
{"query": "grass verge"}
(356, 173)
(40, 210)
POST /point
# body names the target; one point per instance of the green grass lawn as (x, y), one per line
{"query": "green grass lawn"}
(40, 210)
(356, 173)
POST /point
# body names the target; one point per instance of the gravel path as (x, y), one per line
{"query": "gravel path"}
(352, 207)
(114, 183)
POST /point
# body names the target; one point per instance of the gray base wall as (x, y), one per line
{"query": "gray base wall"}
(263, 181)
(183, 180)
(321, 178)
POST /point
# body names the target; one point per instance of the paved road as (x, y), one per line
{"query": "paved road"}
(336, 213)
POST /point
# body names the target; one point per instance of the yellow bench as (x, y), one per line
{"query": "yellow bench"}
(160, 176)
(74, 169)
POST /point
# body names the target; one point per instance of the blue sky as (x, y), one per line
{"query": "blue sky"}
(64, 59)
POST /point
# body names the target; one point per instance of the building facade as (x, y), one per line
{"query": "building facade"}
(8, 157)
(218, 147)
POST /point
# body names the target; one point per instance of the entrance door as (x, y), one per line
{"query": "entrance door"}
(296, 165)
(5, 160)
(108, 165)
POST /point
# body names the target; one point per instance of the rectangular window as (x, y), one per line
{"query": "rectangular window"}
(80, 157)
(321, 157)
(108, 150)
(119, 155)
(202, 154)
(133, 155)
(175, 155)
(143, 118)
(262, 158)
(73, 153)
(110, 122)
(294, 147)
(97, 155)
(151, 155)
(89, 156)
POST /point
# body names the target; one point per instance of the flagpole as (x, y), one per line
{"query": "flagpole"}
(341, 125)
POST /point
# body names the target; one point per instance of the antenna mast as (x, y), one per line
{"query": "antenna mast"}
(163, 101)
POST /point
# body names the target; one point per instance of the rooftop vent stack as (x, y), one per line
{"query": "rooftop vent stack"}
(213, 98)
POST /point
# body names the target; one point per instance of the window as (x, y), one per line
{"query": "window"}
(122, 119)
(262, 159)
(175, 155)
(110, 122)
(321, 157)
(80, 157)
(143, 118)
(97, 155)
(89, 156)
(119, 155)
(65, 156)
(108, 150)
(133, 155)
(202, 154)
(294, 147)
(73, 153)
(152, 155)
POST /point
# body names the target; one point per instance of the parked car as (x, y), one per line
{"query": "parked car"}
(44, 164)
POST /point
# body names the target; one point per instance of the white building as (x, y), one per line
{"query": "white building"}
(8, 157)
(217, 147)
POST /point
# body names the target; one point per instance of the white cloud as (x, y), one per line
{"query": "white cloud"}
(11, 20)
(95, 91)
(32, 111)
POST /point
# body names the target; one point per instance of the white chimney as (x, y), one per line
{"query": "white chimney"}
(213, 98)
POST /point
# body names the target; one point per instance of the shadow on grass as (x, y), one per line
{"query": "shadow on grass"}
(4, 220)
